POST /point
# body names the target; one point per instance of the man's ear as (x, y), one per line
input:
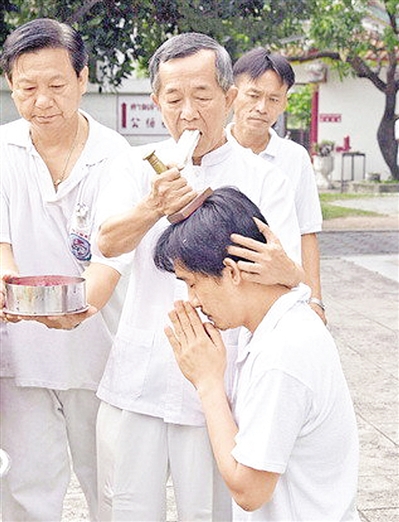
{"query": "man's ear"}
(154, 98)
(232, 270)
(9, 82)
(231, 95)
(83, 79)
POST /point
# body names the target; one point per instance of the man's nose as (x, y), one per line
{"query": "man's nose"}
(193, 299)
(189, 111)
(261, 105)
(43, 99)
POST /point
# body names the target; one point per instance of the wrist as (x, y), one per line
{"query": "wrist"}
(295, 276)
(209, 388)
(151, 208)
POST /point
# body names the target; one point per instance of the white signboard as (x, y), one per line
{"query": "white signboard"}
(138, 115)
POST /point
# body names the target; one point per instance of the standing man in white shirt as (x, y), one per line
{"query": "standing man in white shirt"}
(263, 81)
(53, 170)
(150, 422)
(286, 444)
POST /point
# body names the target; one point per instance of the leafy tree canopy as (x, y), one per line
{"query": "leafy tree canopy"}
(122, 35)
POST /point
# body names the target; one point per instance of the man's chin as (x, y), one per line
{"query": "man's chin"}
(257, 124)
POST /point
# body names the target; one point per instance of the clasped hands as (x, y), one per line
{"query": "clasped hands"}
(198, 347)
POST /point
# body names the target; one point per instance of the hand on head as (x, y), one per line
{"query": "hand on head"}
(266, 263)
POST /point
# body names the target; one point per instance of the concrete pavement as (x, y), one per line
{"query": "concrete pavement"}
(360, 279)
(359, 271)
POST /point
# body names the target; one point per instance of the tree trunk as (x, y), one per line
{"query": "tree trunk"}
(386, 135)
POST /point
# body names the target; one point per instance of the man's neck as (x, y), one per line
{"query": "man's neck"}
(250, 140)
(197, 160)
(260, 301)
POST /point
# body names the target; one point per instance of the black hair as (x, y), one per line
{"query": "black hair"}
(256, 62)
(200, 241)
(43, 33)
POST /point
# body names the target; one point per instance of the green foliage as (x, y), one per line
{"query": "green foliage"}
(122, 34)
(299, 107)
(338, 25)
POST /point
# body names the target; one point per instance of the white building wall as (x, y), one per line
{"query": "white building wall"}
(360, 106)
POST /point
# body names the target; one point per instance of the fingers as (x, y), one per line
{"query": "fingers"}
(171, 191)
(57, 322)
(266, 231)
(174, 342)
(244, 242)
(9, 318)
(186, 322)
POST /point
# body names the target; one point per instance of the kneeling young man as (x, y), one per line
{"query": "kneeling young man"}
(287, 446)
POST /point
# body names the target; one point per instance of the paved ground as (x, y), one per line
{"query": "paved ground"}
(359, 269)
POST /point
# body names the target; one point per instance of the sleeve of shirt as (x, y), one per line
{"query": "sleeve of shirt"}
(119, 193)
(278, 207)
(307, 201)
(5, 236)
(273, 413)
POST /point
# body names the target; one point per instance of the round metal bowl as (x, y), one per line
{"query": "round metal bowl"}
(45, 295)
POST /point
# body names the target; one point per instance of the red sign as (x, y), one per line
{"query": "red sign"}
(137, 114)
(330, 118)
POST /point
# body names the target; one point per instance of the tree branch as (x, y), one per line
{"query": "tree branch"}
(85, 8)
(363, 71)
(314, 55)
(360, 67)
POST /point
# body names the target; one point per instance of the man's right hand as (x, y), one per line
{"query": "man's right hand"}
(170, 192)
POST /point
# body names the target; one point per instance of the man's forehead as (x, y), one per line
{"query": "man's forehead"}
(203, 60)
(262, 81)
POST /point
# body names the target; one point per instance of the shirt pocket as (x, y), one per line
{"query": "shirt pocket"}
(133, 354)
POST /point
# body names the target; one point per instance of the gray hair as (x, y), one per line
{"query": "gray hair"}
(44, 33)
(187, 44)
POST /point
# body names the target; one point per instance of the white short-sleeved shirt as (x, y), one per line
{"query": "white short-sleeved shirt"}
(293, 159)
(142, 374)
(39, 222)
(295, 416)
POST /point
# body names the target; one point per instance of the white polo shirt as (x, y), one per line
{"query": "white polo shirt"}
(293, 159)
(295, 416)
(142, 375)
(38, 222)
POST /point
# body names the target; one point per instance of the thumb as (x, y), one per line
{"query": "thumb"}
(266, 231)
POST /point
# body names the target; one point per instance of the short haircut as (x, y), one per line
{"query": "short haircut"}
(200, 242)
(43, 33)
(256, 62)
(188, 44)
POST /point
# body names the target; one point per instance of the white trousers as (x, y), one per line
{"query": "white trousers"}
(38, 426)
(136, 454)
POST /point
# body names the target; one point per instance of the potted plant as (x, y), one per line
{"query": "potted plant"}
(323, 163)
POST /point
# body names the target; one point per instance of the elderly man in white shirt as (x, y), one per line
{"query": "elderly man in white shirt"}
(150, 423)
